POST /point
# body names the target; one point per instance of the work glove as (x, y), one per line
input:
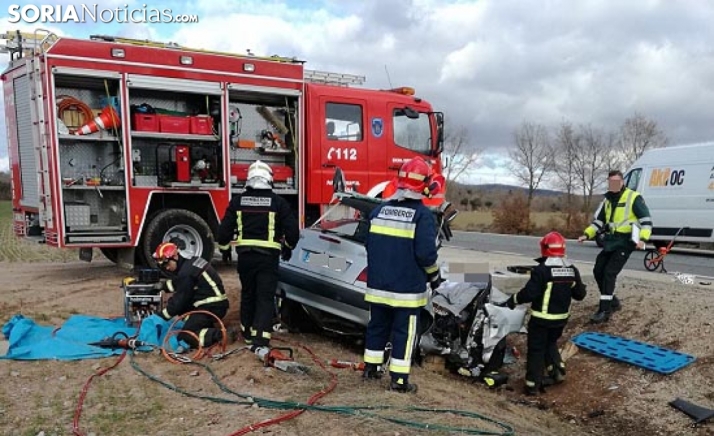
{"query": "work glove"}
(435, 280)
(507, 303)
(286, 252)
(510, 303)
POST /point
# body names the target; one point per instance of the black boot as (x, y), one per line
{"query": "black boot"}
(405, 388)
(372, 372)
(603, 312)
(600, 317)
(532, 388)
(556, 374)
(615, 304)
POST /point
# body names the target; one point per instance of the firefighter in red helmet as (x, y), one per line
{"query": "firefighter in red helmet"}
(194, 285)
(401, 260)
(554, 282)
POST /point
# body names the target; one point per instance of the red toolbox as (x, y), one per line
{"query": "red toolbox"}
(173, 124)
(240, 171)
(145, 122)
(281, 173)
(201, 125)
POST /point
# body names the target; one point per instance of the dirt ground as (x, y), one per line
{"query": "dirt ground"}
(599, 397)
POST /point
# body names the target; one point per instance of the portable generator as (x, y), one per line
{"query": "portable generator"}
(143, 295)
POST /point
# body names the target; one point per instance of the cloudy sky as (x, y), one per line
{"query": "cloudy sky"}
(489, 64)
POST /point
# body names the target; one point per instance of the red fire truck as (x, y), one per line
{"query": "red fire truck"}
(120, 144)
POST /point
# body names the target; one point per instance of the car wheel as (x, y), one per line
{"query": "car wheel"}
(186, 229)
(294, 317)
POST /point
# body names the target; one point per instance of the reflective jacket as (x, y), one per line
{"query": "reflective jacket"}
(401, 251)
(616, 214)
(261, 219)
(552, 285)
(196, 286)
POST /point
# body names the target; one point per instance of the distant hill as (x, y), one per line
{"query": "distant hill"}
(497, 188)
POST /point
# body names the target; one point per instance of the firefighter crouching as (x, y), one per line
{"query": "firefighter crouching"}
(401, 259)
(552, 285)
(266, 229)
(195, 286)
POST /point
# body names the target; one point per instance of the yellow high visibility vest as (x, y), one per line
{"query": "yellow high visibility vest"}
(624, 216)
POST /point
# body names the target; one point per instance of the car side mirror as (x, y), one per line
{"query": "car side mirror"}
(338, 181)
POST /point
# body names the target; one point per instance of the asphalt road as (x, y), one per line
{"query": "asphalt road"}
(701, 265)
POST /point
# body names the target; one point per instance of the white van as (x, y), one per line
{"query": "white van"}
(677, 184)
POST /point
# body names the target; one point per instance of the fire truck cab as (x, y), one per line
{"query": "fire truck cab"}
(121, 144)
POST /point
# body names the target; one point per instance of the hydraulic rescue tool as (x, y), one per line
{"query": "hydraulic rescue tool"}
(356, 366)
(274, 357)
(120, 341)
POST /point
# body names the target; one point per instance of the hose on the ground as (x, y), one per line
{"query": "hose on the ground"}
(347, 410)
(296, 408)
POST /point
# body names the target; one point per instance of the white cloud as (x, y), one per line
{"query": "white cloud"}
(490, 167)
(4, 164)
(488, 64)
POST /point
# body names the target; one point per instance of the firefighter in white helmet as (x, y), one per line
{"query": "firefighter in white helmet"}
(266, 229)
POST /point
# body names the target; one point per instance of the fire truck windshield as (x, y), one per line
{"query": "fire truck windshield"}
(412, 130)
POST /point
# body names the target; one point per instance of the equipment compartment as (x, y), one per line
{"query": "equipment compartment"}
(185, 151)
(95, 213)
(88, 119)
(266, 122)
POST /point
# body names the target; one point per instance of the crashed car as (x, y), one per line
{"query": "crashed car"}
(327, 273)
(470, 328)
(326, 278)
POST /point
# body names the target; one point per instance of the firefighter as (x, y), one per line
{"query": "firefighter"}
(401, 259)
(619, 211)
(552, 285)
(266, 230)
(195, 286)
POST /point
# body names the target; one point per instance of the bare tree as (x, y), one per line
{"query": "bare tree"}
(637, 135)
(531, 160)
(565, 154)
(459, 153)
(592, 161)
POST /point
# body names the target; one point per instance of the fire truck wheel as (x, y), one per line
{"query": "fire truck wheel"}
(186, 229)
(110, 253)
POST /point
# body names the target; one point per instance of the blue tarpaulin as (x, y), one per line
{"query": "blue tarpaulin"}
(30, 341)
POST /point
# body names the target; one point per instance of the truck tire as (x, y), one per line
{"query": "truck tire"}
(186, 229)
(110, 253)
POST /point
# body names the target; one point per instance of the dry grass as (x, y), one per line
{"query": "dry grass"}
(14, 249)
(482, 220)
